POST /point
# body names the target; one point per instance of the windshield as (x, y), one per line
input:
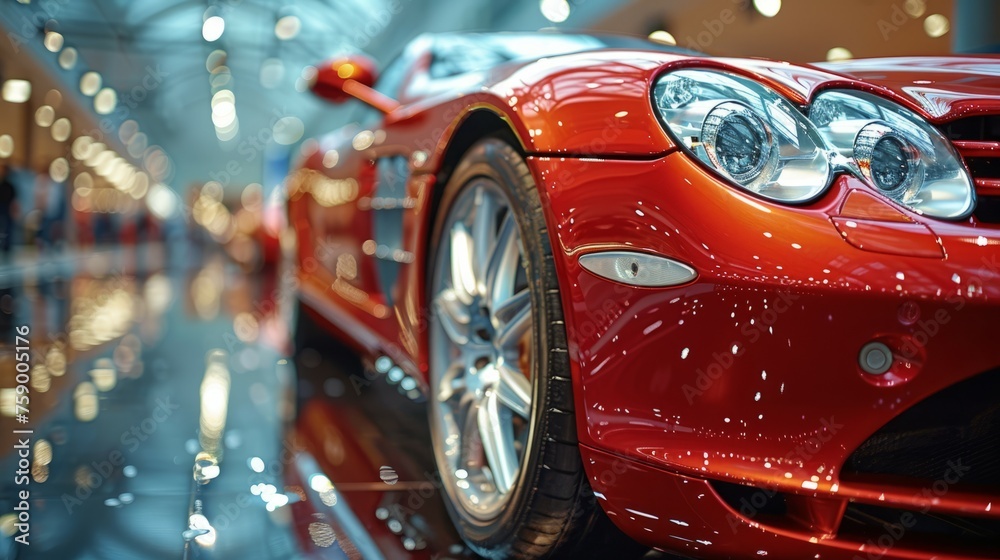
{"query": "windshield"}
(461, 54)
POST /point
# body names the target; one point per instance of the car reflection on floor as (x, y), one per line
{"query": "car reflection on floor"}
(172, 419)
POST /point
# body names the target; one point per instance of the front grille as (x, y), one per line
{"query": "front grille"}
(916, 529)
(981, 129)
(958, 426)
(978, 140)
(984, 167)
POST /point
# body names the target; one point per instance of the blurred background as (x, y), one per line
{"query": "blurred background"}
(143, 151)
(123, 121)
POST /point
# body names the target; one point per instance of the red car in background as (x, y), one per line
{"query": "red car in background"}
(736, 307)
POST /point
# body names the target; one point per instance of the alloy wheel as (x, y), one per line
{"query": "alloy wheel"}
(481, 350)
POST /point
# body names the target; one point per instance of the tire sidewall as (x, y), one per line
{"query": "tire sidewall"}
(491, 159)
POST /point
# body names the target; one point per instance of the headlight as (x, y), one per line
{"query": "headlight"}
(748, 133)
(896, 151)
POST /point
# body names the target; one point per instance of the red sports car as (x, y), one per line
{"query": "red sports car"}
(737, 307)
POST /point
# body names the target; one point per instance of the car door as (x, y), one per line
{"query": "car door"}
(353, 218)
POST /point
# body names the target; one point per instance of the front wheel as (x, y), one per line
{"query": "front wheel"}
(501, 402)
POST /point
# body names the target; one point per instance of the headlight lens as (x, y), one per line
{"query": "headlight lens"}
(738, 142)
(896, 151)
(757, 139)
(747, 132)
(888, 160)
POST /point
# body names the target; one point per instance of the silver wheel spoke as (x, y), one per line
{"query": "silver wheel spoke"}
(483, 235)
(463, 275)
(514, 389)
(453, 316)
(502, 265)
(509, 335)
(452, 381)
(510, 308)
(497, 435)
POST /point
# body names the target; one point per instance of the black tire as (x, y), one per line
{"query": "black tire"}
(552, 512)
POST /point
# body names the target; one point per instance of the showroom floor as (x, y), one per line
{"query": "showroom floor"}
(166, 424)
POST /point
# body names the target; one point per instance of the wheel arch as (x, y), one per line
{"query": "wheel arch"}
(482, 121)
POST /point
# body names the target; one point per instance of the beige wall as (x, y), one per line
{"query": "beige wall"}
(803, 31)
(33, 145)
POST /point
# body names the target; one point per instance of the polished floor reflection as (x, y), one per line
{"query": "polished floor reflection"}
(173, 417)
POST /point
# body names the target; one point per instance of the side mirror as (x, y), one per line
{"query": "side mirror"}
(341, 79)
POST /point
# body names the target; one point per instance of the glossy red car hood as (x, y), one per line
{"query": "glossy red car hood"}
(945, 87)
(941, 88)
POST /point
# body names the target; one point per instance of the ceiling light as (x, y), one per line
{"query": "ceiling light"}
(53, 41)
(83, 181)
(223, 119)
(220, 77)
(767, 8)
(228, 132)
(662, 37)
(6, 145)
(105, 101)
(90, 83)
(936, 25)
(16, 91)
(137, 144)
(54, 98)
(288, 130)
(213, 28)
(555, 11)
(81, 147)
(224, 110)
(61, 129)
(67, 58)
(287, 27)
(915, 8)
(838, 53)
(162, 201)
(215, 59)
(221, 96)
(127, 130)
(44, 116)
(59, 170)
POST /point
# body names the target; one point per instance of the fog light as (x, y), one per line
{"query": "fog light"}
(875, 358)
(638, 269)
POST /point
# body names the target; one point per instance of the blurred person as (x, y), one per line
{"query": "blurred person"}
(52, 204)
(9, 210)
(104, 229)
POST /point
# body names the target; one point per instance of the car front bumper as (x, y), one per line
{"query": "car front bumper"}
(750, 375)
